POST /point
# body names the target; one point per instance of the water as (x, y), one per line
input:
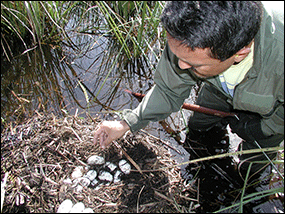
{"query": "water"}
(60, 80)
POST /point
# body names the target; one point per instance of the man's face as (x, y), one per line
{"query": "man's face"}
(199, 60)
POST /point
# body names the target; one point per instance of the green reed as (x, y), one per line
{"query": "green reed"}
(135, 24)
(245, 199)
(30, 30)
(132, 25)
(45, 21)
(32, 22)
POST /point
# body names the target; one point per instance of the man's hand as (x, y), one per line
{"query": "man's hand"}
(109, 131)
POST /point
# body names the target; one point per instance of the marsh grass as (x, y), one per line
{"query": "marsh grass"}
(255, 196)
(30, 29)
(33, 23)
(134, 24)
(133, 27)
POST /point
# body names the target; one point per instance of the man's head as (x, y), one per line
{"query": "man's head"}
(224, 30)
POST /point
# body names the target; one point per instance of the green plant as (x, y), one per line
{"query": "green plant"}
(33, 23)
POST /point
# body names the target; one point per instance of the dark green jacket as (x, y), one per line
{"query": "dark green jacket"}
(261, 91)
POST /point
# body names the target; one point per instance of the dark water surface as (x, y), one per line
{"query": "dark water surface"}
(68, 79)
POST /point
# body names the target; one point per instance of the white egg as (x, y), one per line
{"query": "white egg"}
(111, 166)
(67, 181)
(77, 172)
(105, 176)
(91, 175)
(88, 210)
(117, 175)
(75, 182)
(20, 199)
(65, 206)
(77, 208)
(79, 188)
(125, 166)
(85, 182)
(99, 186)
(96, 160)
(94, 182)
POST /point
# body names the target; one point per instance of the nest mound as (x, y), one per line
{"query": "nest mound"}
(38, 155)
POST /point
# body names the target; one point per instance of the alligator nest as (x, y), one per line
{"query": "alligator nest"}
(38, 155)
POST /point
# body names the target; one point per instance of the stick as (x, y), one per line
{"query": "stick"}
(3, 184)
(75, 134)
(84, 164)
(163, 196)
(127, 156)
(220, 156)
(139, 198)
(193, 107)
(156, 138)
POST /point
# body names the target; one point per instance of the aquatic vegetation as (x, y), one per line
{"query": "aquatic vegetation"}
(33, 23)
(47, 45)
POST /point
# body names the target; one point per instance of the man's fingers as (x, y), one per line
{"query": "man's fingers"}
(108, 131)
(98, 135)
(102, 138)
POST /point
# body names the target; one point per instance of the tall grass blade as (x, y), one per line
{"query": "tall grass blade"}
(114, 63)
(106, 9)
(251, 151)
(84, 91)
(269, 160)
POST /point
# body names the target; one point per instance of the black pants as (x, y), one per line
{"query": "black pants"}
(210, 97)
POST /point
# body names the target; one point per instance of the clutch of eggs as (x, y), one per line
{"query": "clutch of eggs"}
(107, 172)
(67, 207)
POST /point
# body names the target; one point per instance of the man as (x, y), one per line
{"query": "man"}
(236, 49)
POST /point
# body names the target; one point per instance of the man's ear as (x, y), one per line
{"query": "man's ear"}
(241, 54)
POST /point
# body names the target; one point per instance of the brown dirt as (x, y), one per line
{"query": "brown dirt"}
(40, 153)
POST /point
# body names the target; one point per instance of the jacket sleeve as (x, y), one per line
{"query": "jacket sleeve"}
(172, 86)
(274, 124)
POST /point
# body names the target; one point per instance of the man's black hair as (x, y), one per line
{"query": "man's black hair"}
(223, 26)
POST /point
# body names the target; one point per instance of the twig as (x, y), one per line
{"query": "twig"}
(127, 156)
(55, 150)
(163, 196)
(76, 158)
(187, 198)
(43, 173)
(167, 199)
(198, 192)
(3, 184)
(156, 138)
(149, 204)
(75, 134)
(139, 198)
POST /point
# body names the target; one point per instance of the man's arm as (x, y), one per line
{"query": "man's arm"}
(172, 87)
